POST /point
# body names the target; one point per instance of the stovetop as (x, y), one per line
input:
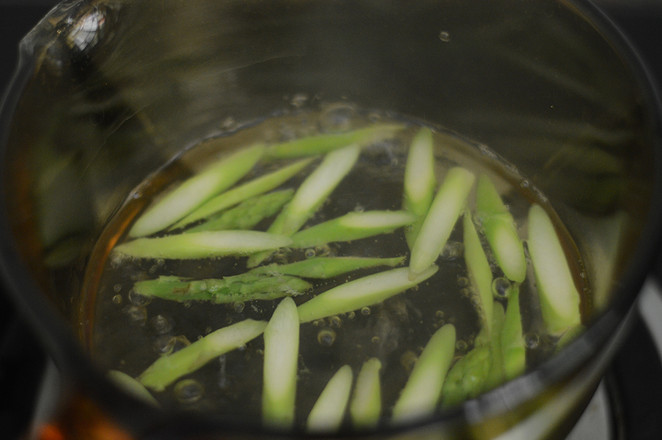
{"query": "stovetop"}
(628, 404)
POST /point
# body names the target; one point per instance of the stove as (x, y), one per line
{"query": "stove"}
(626, 406)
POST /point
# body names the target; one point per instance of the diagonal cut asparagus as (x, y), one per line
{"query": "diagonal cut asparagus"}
(479, 271)
(281, 352)
(446, 207)
(311, 194)
(243, 192)
(202, 245)
(419, 181)
(361, 292)
(559, 298)
(366, 406)
(196, 190)
(500, 230)
(352, 226)
(325, 143)
(132, 386)
(248, 213)
(421, 394)
(243, 287)
(327, 267)
(512, 339)
(329, 409)
(171, 367)
(466, 378)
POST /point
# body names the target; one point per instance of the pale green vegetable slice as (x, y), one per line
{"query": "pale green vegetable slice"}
(512, 338)
(329, 409)
(480, 273)
(422, 392)
(132, 386)
(352, 226)
(362, 292)
(327, 267)
(500, 230)
(281, 352)
(446, 207)
(196, 190)
(419, 181)
(559, 298)
(204, 244)
(365, 407)
(171, 367)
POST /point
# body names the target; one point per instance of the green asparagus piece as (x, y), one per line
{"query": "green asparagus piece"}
(352, 226)
(329, 409)
(419, 182)
(559, 298)
(327, 267)
(512, 339)
(446, 207)
(281, 352)
(247, 214)
(132, 386)
(325, 143)
(361, 292)
(311, 194)
(500, 230)
(366, 405)
(421, 394)
(171, 367)
(496, 375)
(205, 244)
(243, 287)
(466, 378)
(243, 192)
(479, 270)
(196, 190)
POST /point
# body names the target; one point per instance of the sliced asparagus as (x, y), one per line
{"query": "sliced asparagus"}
(132, 386)
(420, 181)
(171, 367)
(243, 192)
(500, 230)
(512, 339)
(281, 352)
(446, 207)
(421, 394)
(202, 245)
(496, 375)
(311, 194)
(325, 143)
(247, 214)
(352, 226)
(479, 270)
(362, 292)
(366, 405)
(327, 267)
(196, 190)
(243, 287)
(467, 377)
(329, 409)
(559, 298)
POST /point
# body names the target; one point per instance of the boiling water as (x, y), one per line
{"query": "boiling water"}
(130, 332)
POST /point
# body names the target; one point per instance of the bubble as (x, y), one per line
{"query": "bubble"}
(163, 344)
(452, 250)
(439, 314)
(229, 123)
(461, 345)
(462, 281)
(188, 391)
(408, 360)
(299, 100)
(238, 307)
(445, 36)
(117, 288)
(179, 342)
(139, 300)
(351, 315)
(359, 208)
(501, 287)
(136, 313)
(365, 311)
(337, 117)
(160, 324)
(531, 340)
(375, 339)
(117, 299)
(310, 253)
(326, 337)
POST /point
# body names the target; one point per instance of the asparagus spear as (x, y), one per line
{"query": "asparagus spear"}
(196, 190)
(247, 214)
(419, 182)
(171, 367)
(132, 386)
(202, 245)
(361, 292)
(311, 194)
(327, 267)
(496, 375)
(421, 394)
(441, 218)
(325, 143)
(479, 270)
(559, 298)
(512, 340)
(281, 352)
(243, 287)
(500, 230)
(366, 405)
(243, 192)
(329, 409)
(466, 378)
(352, 226)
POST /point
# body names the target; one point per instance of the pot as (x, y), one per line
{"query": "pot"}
(107, 91)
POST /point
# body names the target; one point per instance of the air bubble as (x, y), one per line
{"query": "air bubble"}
(375, 339)
(408, 360)
(188, 391)
(335, 321)
(337, 118)
(160, 324)
(445, 36)
(326, 337)
(238, 307)
(452, 250)
(359, 208)
(117, 299)
(117, 288)
(136, 313)
(351, 315)
(139, 300)
(163, 344)
(462, 281)
(501, 287)
(461, 345)
(531, 340)
(439, 314)
(365, 311)
(310, 253)
(299, 100)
